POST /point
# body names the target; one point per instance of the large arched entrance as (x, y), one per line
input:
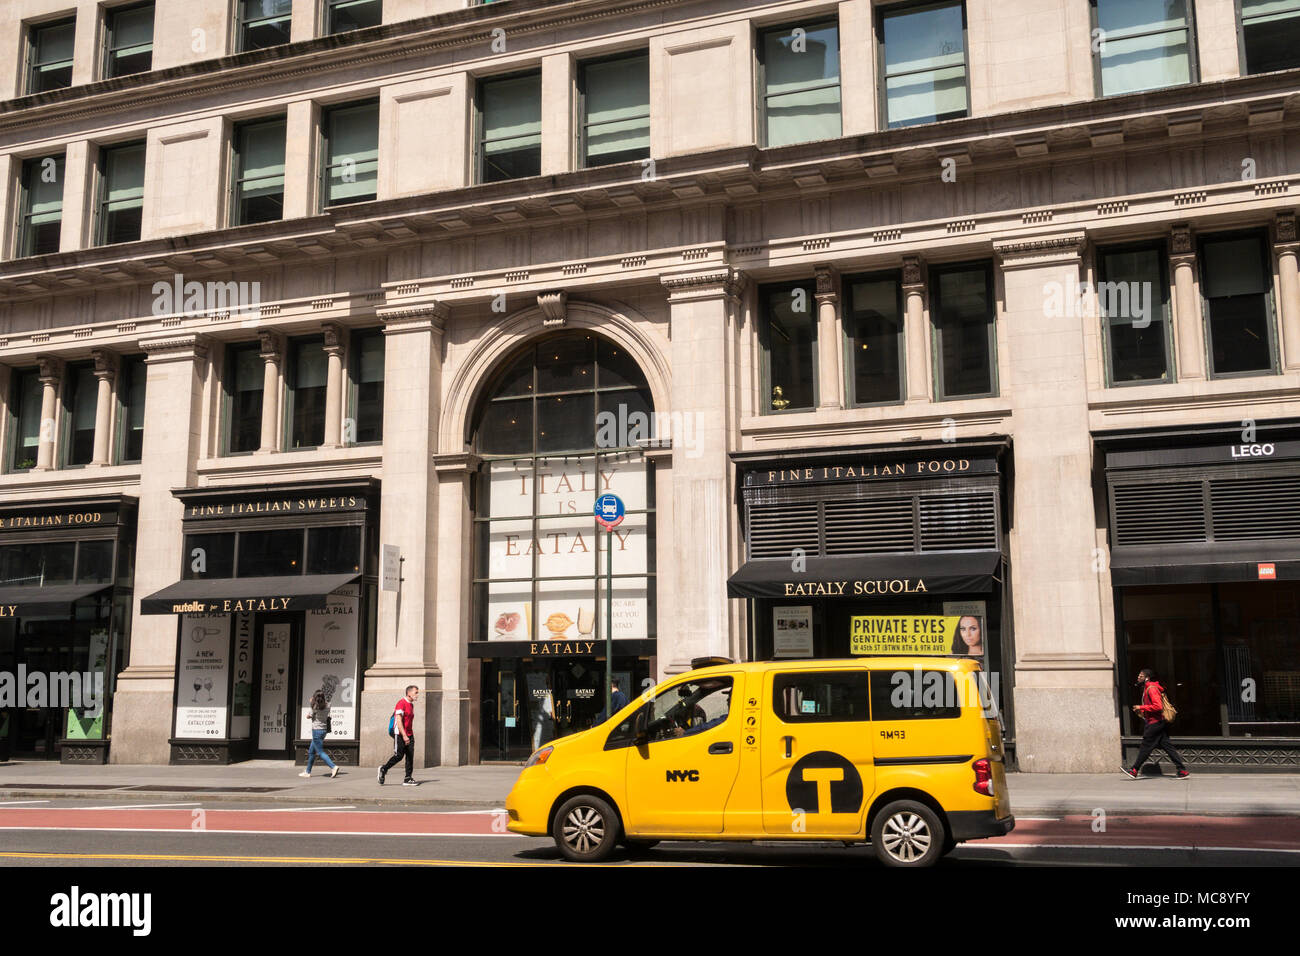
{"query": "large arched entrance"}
(557, 426)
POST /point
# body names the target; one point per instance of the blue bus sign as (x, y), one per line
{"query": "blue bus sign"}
(609, 511)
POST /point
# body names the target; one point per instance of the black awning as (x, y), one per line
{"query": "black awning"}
(1202, 573)
(48, 601)
(867, 577)
(226, 595)
(1200, 562)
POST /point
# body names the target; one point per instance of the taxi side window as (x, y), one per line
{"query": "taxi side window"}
(914, 694)
(825, 697)
(681, 711)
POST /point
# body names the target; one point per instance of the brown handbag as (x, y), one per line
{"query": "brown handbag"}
(1168, 712)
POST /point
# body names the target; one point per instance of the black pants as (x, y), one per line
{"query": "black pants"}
(1157, 736)
(402, 749)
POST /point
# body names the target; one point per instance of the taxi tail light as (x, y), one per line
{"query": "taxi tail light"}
(983, 776)
(539, 757)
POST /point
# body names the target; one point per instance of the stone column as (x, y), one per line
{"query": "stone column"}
(830, 339)
(335, 341)
(142, 704)
(408, 640)
(1289, 280)
(455, 473)
(105, 373)
(916, 336)
(272, 355)
(51, 374)
(1189, 328)
(1063, 642)
(703, 309)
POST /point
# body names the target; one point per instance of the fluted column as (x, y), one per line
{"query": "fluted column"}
(51, 373)
(105, 373)
(1189, 330)
(335, 342)
(1288, 273)
(830, 379)
(915, 339)
(272, 355)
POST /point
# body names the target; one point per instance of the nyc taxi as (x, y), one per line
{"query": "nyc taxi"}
(901, 752)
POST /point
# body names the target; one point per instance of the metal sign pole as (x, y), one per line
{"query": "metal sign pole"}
(609, 621)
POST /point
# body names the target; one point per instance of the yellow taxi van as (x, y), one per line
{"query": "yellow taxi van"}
(902, 752)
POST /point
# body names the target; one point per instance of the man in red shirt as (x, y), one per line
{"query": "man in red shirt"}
(1156, 732)
(403, 736)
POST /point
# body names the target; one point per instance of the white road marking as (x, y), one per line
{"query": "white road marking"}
(135, 806)
(14, 803)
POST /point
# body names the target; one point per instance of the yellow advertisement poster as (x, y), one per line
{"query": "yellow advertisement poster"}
(910, 634)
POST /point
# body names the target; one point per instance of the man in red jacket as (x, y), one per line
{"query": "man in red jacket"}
(1156, 732)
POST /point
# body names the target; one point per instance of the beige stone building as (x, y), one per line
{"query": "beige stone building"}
(324, 322)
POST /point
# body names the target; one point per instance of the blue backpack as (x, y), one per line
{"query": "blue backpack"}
(391, 731)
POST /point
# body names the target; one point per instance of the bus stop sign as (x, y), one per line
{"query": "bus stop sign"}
(609, 511)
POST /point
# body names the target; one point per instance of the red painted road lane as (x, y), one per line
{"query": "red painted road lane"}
(1252, 833)
(255, 821)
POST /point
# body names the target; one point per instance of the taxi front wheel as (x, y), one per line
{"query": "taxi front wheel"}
(908, 834)
(586, 829)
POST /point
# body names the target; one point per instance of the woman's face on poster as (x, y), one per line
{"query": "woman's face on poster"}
(969, 630)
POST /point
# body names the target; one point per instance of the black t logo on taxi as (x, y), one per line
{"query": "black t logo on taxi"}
(824, 782)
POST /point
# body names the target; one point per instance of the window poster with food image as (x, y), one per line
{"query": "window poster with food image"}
(202, 676)
(792, 631)
(330, 662)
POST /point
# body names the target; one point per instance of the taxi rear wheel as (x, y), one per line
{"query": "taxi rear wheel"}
(908, 834)
(586, 829)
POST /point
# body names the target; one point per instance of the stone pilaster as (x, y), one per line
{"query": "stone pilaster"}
(916, 334)
(272, 354)
(51, 375)
(1288, 248)
(1189, 329)
(336, 338)
(105, 375)
(830, 338)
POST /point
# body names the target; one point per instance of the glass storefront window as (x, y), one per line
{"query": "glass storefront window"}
(95, 562)
(209, 556)
(334, 550)
(267, 553)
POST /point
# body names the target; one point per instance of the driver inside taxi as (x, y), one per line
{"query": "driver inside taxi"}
(687, 717)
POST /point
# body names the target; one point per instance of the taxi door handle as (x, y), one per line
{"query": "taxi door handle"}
(721, 747)
(789, 746)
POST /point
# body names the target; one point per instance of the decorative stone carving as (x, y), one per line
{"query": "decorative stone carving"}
(555, 308)
(272, 345)
(105, 363)
(828, 283)
(336, 337)
(1180, 240)
(1286, 228)
(911, 271)
(50, 369)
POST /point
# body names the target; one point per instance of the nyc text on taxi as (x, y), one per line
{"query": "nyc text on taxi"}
(903, 752)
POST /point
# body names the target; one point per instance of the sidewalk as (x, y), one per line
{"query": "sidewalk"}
(485, 787)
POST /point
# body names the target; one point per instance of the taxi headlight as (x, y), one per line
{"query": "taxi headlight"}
(538, 757)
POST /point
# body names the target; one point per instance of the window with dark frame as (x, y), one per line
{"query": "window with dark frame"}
(1142, 45)
(263, 23)
(121, 194)
(351, 153)
(788, 338)
(132, 380)
(244, 381)
(964, 331)
(344, 15)
(41, 209)
(306, 379)
(128, 40)
(923, 68)
(50, 51)
(367, 400)
(80, 401)
(25, 419)
(1237, 302)
(269, 553)
(1133, 305)
(821, 697)
(615, 110)
(1270, 35)
(510, 127)
(800, 69)
(873, 338)
(258, 168)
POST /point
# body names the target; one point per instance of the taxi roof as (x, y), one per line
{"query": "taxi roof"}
(952, 662)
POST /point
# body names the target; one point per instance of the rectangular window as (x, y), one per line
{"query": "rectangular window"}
(304, 408)
(615, 110)
(351, 154)
(244, 380)
(80, 399)
(1141, 45)
(131, 391)
(1133, 300)
(128, 40)
(1270, 35)
(896, 696)
(1237, 291)
(209, 556)
(788, 337)
(923, 63)
(258, 173)
(121, 192)
(40, 225)
(964, 332)
(95, 562)
(334, 550)
(368, 388)
(270, 553)
(25, 419)
(800, 71)
(344, 15)
(510, 128)
(50, 56)
(829, 697)
(873, 336)
(263, 23)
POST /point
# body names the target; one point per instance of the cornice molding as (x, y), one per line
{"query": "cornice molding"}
(426, 317)
(1021, 253)
(725, 281)
(192, 345)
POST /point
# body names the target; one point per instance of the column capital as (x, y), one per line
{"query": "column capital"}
(105, 363)
(718, 282)
(1045, 250)
(336, 337)
(272, 345)
(428, 317)
(1182, 241)
(1285, 228)
(169, 348)
(913, 274)
(50, 369)
(827, 283)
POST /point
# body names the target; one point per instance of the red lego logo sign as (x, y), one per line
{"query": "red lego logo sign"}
(1267, 572)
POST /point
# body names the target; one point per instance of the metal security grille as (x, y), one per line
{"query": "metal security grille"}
(1245, 508)
(959, 522)
(1150, 513)
(1205, 506)
(776, 530)
(870, 526)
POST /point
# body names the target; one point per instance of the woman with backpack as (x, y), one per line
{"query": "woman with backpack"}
(1157, 711)
(320, 726)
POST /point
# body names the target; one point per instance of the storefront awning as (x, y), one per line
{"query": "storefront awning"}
(1176, 569)
(867, 577)
(227, 595)
(49, 601)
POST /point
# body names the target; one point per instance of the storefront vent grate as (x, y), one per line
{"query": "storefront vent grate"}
(1151, 513)
(1263, 507)
(959, 522)
(776, 530)
(869, 526)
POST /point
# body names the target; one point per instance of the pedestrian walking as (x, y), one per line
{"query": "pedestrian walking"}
(402, 729)
(1156, 733)
(320, 726)
(617, 701)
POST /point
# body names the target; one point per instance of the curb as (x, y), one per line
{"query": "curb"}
(433, 803)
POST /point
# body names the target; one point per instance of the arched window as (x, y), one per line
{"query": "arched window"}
(558, 427)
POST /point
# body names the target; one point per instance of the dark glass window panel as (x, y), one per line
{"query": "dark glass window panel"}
(506, 428)
(130, 40)
(136, 374)
(964, 315)
(52, 51)
(1236, 289)
(122, 199)
(308, 376)
(790, 340)
(1131, 278)
(209, 556)
(246, 376)
(48, 564)
(565, 422)
(625, 417)
(13, 564)
(267, 553)
(259, 190)
(369, 372)
(1138, 355)
(518, 378)
(334, 550)
(616, 366)
(95, 562)
(264, 23)
(1271, 33)
(617, 101)
(821, 698)
(347, 15)
(511, 123)
(874, 326)
(81, 405)
(801, 95)
(891, 700)
(27, 420)
(42, 206)
(566, 363)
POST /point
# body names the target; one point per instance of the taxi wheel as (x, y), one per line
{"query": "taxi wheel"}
(908, 834)
(586, 829)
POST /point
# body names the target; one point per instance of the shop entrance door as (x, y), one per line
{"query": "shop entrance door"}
(48, 648)
(579, 694)
(278, 640)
